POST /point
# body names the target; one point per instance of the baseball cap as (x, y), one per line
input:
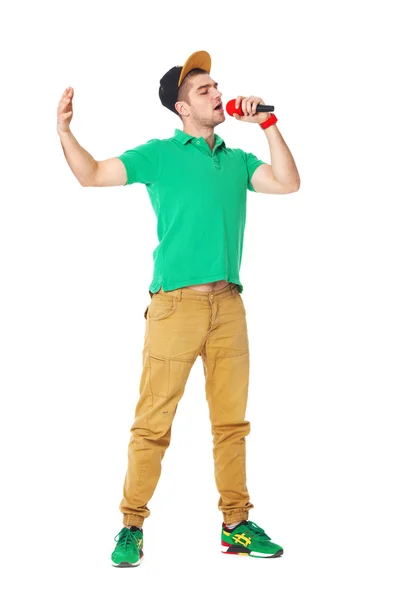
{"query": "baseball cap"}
(170, 82)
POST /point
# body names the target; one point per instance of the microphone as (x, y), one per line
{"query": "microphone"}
(231, 108)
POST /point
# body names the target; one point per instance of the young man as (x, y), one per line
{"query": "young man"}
(197, 187)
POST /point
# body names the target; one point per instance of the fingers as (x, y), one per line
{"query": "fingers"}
(66, 98)
(248, 104)
(245, 104)
(238, 101)
(67, 95)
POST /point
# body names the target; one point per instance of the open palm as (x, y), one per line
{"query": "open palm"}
(64, 110)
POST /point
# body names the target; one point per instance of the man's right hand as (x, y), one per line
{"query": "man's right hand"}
(64, 111)
(87, 170)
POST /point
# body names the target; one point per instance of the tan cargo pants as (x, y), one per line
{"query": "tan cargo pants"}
(181, 325)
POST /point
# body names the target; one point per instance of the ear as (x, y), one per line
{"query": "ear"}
(180, 107)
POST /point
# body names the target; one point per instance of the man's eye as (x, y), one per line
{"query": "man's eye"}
(202, 93)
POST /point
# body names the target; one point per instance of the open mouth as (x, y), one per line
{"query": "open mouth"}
(219, 106)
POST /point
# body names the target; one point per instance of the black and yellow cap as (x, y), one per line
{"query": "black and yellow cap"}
(171, 81)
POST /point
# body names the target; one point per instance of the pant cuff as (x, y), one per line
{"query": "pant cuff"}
(234, 517)
(129, 520)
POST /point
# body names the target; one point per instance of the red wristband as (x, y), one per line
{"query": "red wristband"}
(272, 119)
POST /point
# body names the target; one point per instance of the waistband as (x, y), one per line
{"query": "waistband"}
(231, 289)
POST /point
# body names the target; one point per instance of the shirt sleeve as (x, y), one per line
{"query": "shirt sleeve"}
(252, 163)
(141, 163)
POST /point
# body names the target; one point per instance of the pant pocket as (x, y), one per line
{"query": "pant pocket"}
(159, 375)
(161, 307)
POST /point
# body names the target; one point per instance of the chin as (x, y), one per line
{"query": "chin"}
(220, 119)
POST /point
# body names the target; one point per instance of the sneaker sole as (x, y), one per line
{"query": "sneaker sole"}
(124, 565)
(231, 550)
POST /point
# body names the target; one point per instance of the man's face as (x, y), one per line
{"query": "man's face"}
(204, 96)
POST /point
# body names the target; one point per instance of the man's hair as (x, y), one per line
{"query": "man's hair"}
(184, 88)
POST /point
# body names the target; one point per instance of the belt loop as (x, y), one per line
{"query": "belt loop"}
(232, 289)
(179, 294)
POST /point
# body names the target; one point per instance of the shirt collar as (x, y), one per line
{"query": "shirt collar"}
(184, 138)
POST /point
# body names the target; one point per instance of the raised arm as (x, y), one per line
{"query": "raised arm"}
(87, 170)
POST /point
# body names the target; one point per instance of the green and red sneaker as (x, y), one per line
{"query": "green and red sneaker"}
(129, 548)
(247, 539)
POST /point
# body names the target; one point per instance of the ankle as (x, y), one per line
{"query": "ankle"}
(232, 525)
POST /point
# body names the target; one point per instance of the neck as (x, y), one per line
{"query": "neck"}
(201, 131)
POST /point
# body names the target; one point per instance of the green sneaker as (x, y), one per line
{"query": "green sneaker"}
(129, 548)
(247, 539)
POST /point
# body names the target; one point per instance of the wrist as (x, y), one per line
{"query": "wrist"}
(63, 132)
(271, 119)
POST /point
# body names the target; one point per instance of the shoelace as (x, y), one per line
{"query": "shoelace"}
(126, 538)
(258, 531)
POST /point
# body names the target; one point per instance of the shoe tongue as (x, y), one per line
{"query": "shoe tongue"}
(134, 528)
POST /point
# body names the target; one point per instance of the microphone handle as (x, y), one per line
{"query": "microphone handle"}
(264, 108)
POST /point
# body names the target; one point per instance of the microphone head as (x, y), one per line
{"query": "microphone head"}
(231, 108)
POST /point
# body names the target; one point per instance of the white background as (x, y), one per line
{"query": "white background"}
(321, 287)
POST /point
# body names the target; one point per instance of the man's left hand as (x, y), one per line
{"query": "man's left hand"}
(248, 105)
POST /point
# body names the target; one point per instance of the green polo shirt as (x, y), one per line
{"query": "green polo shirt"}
(199, 198)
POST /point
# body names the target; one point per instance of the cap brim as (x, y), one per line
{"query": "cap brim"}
(197, 60)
